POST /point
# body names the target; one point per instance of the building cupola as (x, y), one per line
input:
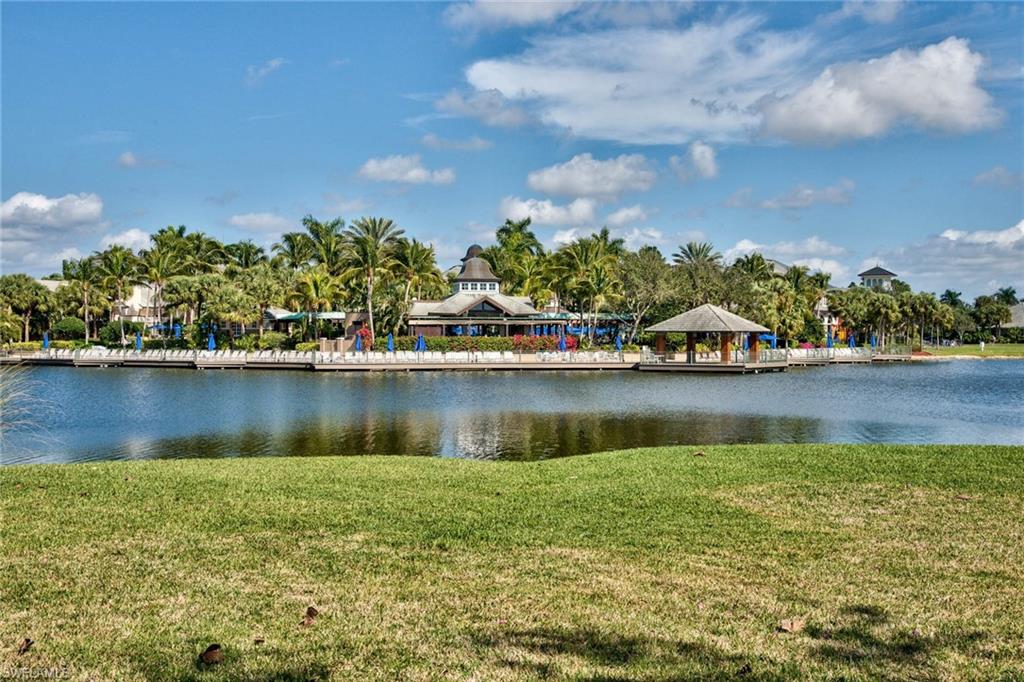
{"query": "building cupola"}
(475, 275)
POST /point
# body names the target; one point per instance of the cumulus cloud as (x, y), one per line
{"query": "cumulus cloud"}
(871, 11)
(649, 85)
(488, 105)
(493, 14)
(637, 237)
(472, 144)
(700, 162)
(812, 252)
(805, 196)
(627, 215)
(261, 222)
(585, 176)
(36, 230)
(405, 169)
(254, 74)
(973, 261)
(934, 88)
(545, 212)
(999, 176)
(134, 239)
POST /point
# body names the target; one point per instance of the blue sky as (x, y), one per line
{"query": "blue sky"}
(835, 135)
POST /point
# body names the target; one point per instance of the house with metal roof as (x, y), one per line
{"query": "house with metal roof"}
(877, 278)
(479, 307)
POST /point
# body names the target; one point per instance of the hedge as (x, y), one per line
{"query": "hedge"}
(307, 346)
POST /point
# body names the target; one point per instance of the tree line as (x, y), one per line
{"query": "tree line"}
(370, 265)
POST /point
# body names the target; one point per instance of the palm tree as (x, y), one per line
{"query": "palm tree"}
(372, 243)
(85, 274)
(416, 265)
(328, 242)
(202, 253)
(951, 298)
(156, 267)
(756, 266)
(118, 270)
(516, 236)
(24, 296)
(697, 253)
(295, 249)
(246, 254)
(1007, 296)
(169, 238)
(315, 290)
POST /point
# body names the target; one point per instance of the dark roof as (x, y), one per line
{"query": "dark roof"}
(877, 272)
(707, 318)
(474, 268)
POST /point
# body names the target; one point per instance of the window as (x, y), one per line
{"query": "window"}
(473, 286)
(493, 286)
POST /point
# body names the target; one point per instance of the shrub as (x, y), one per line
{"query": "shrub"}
(110, 333)
(73, 344)
(272, 341)
(246, 342)
(24, 345)
(69, 328)
(169, 344)
(307, 346)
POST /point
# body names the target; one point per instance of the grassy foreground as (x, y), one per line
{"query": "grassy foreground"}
(1005, 350)
(902, 562)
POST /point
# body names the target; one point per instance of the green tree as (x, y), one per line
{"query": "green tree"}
(265, 287)
(85, 275)
(646, 283)
(1006, 296)
(23, 296)
(156, 267)
(245, 254)
(119, 270)
(295, 250)
(416, 266)
(315, 291)
(697, 253)
(372, 244)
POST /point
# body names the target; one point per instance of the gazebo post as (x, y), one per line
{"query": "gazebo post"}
(726, 347)
(755, 346)
(691, 348)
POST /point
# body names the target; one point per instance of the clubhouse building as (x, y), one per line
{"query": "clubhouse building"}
(477, 307)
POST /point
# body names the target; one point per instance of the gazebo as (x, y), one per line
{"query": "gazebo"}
(708, 319)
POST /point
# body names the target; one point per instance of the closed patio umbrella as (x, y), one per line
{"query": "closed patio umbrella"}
(138, 340)
(177, 330)
(853, 341)
(46, 339)
(618, 343)
(391, 343)
(211, 342)
(561, 343)
(874, 341)
(421, 343)
(359, 342)
(828, 340)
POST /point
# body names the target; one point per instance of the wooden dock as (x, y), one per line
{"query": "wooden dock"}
(714, 368)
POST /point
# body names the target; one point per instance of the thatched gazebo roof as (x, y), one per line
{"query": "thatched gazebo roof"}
(708, 318)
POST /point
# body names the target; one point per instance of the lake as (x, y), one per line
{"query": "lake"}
(134, 413)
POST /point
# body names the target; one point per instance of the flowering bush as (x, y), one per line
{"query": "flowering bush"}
(533, 344)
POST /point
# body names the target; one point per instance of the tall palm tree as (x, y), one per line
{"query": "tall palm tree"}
(246, 254)
(1007, 296)
(85, 273)
(295, 249)
(156, 267)
(755, 265)
(202, 253)
(697, 253)
(169, 238)
(516, 236)
(119, 270)
(416, 265)
(372, 243)
(328, 242)
(951, 298)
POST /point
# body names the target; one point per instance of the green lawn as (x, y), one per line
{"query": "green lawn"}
(903, 563)
(991, 349)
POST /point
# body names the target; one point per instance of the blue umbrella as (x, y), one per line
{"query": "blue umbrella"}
(546, 330)
(359, 342)
(458, 330)
(423, 343)
(746, 342)
(46, 339)
(177, 330)
(211, 343)
(828, 340)
(138, 340)
(561, 344)
(391, 343)
(853, 341)
(618, 343)
(874, 341)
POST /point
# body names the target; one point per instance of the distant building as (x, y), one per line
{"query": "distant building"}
(478, 307)
(877, 278)
(1016, 317)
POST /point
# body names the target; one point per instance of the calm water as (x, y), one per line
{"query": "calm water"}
(86, 414)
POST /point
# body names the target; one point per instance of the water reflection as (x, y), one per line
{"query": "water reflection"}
(137, 413)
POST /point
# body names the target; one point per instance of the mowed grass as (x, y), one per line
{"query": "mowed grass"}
(1014, 350)
(902, 563)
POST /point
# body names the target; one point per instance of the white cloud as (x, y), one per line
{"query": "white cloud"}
(405, 169)
(261, 222)
(934, 88)
(472, 144)
(999, 176)
(647, 85)
(26, 208)
(494, 14)
(336, 203)
(805, 196)
(254, 74)
(562, 237)
(812, 252)
(627, 215)
(741, 198)
(584, 176)
(128, 160)
(975, 262)
(544, 212)
(36, 230)
(871, 11)
(637, 237)
(700, 162)
(490, 106)
(134, 239)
